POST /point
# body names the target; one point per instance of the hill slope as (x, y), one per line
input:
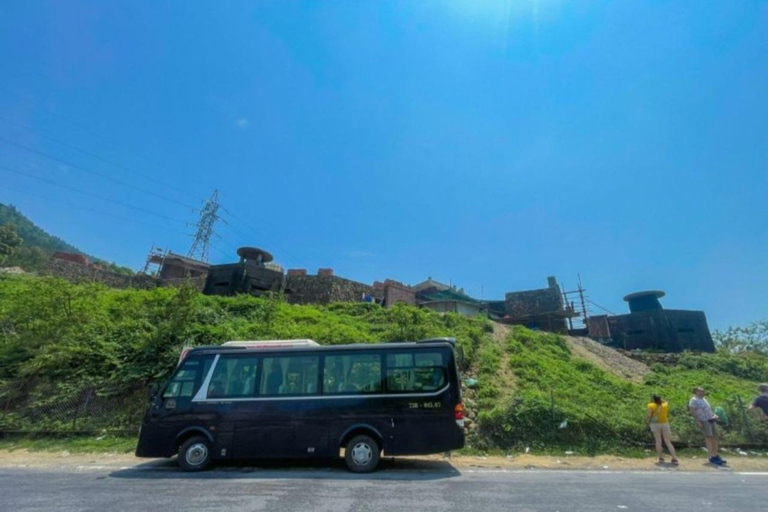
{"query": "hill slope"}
(57, 339)
(38, 244)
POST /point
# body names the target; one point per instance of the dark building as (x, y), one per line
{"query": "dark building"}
(249, 275)
(649, 326)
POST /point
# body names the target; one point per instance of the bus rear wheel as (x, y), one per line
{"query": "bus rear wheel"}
(195, 454)
(362, 454)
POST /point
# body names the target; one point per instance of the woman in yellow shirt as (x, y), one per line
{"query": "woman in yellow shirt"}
(658, 419)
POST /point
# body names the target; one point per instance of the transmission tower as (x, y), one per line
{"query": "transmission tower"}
(208, 217)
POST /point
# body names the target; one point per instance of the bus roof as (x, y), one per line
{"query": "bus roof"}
(262, 346)
(273, 343)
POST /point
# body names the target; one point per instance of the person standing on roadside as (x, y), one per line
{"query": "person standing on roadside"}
(706, 420)
(761, 402)
(658, 419)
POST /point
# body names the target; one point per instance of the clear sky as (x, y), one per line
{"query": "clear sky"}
(485, 143)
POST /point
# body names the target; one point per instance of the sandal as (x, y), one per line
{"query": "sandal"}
(675, 462)
(661, 459)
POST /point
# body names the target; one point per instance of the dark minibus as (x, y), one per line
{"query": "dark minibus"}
(295, 398)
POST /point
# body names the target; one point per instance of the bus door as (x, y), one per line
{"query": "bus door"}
(271, 422)
(352, 396)
(423, 413)
(174, 410)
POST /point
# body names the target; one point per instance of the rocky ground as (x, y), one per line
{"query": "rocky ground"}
(607, 358)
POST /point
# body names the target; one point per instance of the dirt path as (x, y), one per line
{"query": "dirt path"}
(608, 359)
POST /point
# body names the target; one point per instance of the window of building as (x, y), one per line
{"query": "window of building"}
(188, 378)
(415, 372)
(292, 375)
(352, 374)
(233, 377)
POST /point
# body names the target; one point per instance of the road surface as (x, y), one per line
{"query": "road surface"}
(429, 486)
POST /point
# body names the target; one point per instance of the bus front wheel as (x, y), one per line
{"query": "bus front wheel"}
(362, 454)
(195, 454)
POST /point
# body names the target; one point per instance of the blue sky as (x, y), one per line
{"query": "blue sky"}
(485, 143)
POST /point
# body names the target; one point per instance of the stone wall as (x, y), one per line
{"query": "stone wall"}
(325, 289)
(78, 273)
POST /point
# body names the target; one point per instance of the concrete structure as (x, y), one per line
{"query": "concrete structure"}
(649, 326)
(249, 275)
(456, 306)
(542, 309)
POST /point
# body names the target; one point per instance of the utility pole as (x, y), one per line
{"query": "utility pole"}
(583, 302)
(208, 217)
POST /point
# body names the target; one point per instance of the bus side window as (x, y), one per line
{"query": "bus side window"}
(352, 374)
(233, 377)
(290, 375)
(415, 372)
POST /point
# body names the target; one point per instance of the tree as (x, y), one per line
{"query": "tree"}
(9, 241)
(752, 338)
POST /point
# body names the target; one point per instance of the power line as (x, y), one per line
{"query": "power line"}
(601, 307)
(96, 173)
(84, 129)
(89, 153)
(93, 210)
(97, 196)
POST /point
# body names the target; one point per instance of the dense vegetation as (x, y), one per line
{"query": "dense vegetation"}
(531, 390)
(37, 246)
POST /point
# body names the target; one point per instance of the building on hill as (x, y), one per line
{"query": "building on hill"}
(544, 308)
(176, 266)
(430, 284)
(253, 274)
(649, 326)
(454, 301)
(394, 292)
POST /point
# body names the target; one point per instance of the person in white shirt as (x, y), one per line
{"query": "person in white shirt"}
(706, 420)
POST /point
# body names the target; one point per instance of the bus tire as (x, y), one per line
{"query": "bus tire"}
(362, 454)
(195, 454)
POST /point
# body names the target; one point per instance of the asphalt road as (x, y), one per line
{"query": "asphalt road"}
(427, 487)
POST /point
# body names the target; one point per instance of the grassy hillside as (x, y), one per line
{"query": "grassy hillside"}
(57, 338)
(38, 245)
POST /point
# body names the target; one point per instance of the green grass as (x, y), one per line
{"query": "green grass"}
(561, 401)
(74, 444)
(60, 339)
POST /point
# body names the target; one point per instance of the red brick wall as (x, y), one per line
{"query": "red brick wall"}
(73, 257)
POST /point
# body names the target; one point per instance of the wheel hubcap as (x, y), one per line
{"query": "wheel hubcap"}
(196, 454)
(362, 454)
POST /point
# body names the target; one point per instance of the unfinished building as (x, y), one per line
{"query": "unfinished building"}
(543, 308)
